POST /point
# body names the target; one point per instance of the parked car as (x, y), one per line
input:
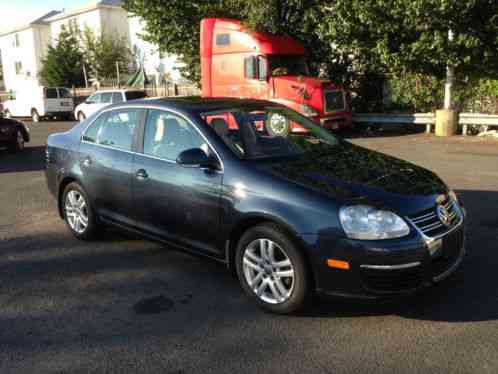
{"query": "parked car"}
(101, 99)
(40, 103)
(13, 134)
(291, 214)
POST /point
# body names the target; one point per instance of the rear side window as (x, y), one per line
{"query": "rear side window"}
(50, 93)
(134, 95)
(117, 97)
(114, 129)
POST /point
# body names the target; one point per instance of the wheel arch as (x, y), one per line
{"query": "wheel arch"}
(62, 186)
(255, 220)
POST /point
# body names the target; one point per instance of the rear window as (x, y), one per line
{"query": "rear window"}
(51, 93)
(134, 95)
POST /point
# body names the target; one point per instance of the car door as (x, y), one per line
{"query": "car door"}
(106, 161)
(175, 203)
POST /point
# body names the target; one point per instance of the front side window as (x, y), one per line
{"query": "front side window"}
(94, 99)
(267, 132)
(167, 135)
(114, 129)
(117, 97)
(106, 97)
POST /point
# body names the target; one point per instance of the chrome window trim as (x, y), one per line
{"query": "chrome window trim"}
(391, 267)
(149, 107)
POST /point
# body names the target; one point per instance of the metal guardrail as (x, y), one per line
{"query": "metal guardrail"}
(427, 119)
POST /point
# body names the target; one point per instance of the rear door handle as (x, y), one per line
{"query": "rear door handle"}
(87, 161)
(141, 174)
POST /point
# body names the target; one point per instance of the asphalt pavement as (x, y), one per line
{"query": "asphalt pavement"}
(124, 305)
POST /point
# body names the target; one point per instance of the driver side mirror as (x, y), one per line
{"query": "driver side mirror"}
(197, 158)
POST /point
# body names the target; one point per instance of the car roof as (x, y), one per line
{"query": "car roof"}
(197, 104)
(120, 90)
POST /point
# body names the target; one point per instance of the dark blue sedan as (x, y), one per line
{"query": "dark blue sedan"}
(293, 214)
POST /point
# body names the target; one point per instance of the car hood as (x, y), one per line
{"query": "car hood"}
(350, 172)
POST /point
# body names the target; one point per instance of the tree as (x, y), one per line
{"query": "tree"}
(103, 51)
(347, 40)
(63, 63)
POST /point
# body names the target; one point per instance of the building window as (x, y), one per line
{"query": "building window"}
(16, 40)
(18, 66)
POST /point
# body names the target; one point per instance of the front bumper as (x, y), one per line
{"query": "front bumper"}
(384, 268)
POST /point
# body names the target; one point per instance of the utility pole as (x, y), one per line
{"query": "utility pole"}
(85, 76)
(450, 78)
(117, 72)
(447, 118)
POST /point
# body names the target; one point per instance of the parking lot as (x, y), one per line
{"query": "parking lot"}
(123, 305)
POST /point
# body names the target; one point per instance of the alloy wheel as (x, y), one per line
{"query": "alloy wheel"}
(268, 271)
(76, 211)
(20, 140)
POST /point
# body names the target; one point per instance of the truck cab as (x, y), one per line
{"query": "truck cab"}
(238, 63)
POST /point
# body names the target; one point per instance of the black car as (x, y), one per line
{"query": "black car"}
(290, 214)
(13, 134)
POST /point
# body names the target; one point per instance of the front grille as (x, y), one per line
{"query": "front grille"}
(392, 280)
(334, 101)
(429, 222)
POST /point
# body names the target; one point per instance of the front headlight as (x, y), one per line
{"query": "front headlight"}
(367, 223)
(308, 111)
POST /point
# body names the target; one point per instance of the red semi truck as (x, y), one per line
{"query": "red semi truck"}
(238, 63)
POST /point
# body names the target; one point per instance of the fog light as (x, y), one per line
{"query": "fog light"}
(344, 265)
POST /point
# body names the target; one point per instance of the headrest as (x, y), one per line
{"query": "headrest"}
(220, 126)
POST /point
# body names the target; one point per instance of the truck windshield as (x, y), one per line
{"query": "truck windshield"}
(281, 65)
(269, 133)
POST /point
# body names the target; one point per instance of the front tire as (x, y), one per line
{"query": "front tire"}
(19, 142)
(35, 117)
(78, 212)
(81, 116)
(272, 270)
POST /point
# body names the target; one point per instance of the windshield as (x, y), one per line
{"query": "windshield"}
(281, 65)
(269, 132)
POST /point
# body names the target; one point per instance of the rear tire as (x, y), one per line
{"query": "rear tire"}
(78, 212)
(277, 279)
(35, 117)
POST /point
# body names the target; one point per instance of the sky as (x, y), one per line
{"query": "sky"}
(19, 12)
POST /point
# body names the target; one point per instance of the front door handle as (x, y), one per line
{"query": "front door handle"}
(87, 161)
(141, 174)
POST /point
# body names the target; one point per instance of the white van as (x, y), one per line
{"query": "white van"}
(40, 103)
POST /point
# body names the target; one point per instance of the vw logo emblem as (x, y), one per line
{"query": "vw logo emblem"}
(443, 215)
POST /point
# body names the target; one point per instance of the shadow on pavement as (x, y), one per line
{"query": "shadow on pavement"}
(30, 159)
(380, 131)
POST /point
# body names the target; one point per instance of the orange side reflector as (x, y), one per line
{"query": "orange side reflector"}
(344, 265)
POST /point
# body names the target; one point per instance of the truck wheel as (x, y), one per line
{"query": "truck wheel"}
(35, 117)
(81, 116)
(277, 125)
(7, 114)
